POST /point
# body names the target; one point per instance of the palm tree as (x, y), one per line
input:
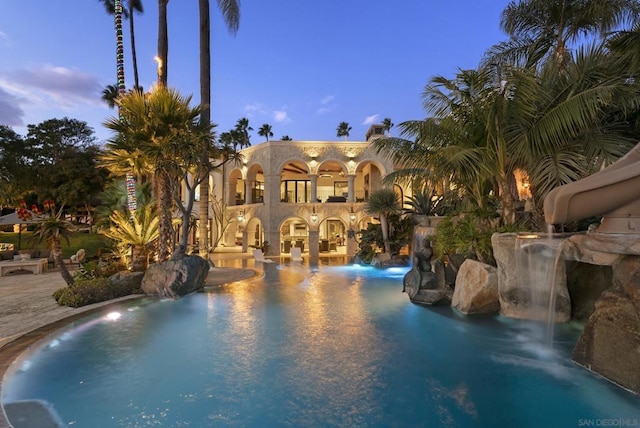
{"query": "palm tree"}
(387, 124)
(557, 125)
(109, 95)
(265, 131)
(383, 202)
(167, 131)
(133, 6)
(242, 132)
(343, 130)
(539, 28)
(159, 125)
(138, 230)
(52, 230)
(231, 13)
(285, 138)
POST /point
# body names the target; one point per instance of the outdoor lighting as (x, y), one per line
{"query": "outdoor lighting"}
(352, 215)
(240, 216)
(314, 216)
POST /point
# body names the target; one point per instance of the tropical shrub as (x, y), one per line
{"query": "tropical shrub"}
(89, 291)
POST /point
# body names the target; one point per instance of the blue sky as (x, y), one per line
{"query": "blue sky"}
(302, 66)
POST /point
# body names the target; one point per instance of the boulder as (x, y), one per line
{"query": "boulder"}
(610, 341)
(476, 288)
(175, 278)
(127, 280)
(433, 297)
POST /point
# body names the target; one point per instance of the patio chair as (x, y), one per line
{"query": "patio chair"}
(78, 257)
(258, 255)
(296, 254)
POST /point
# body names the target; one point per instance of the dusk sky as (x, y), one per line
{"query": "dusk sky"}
(302, 66)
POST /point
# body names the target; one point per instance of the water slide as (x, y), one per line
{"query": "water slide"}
(613, 193)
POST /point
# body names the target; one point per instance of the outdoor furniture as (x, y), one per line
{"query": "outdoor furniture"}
(258, 256)
(296, 254)
(78, 257)
(35, 266)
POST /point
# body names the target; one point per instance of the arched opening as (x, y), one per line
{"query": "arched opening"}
(294, 232)
(332, 236)
(295, 186)
(332, 184)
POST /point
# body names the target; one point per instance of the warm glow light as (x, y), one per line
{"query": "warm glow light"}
(352, 215)
(113, 316)
(240, 216)
(314, 216)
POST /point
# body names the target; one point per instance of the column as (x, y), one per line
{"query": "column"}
(314, 243)
(351, 187)
(248, 195)
(314, 188)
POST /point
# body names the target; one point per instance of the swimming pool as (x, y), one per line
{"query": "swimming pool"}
(323, 346)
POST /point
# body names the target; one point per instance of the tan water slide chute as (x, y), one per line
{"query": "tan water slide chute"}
(613, 193)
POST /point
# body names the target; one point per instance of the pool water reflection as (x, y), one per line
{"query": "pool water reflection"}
(321, 346)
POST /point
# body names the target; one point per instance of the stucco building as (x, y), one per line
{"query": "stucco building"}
(308, 194)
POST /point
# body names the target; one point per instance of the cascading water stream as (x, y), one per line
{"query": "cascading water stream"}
(539, 260)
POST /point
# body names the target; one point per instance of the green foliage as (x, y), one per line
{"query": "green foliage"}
(102, 267)
(469, 234)
(89, 291)
(371, 240)
(91, 242)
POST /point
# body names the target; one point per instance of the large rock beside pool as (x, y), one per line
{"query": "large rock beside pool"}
(175, 278)
(610, 342)
(476, 288)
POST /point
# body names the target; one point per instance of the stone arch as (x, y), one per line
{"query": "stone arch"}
(235, 190)
(294, 231)
(295, 184)
(255, 232)
(332, 179)
(254, 184)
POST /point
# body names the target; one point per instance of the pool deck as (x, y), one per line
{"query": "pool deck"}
(28, 311)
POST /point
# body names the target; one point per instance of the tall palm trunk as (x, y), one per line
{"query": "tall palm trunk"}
(205, 117)
(163, 42)
(384, 225)
(134, 57)
(56, 249)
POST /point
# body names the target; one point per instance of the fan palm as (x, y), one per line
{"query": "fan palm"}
(382, 203)
(161, 126)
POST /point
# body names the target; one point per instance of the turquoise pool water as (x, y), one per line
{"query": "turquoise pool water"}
(335, 346)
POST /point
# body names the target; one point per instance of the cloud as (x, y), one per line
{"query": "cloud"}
(4, 38)
(254, 108)
(281, 116)
(327, 103)
(328, 99)
(370, 120)
(11, 113)
(54, 87)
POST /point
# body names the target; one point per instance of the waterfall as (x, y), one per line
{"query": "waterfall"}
(541, 268)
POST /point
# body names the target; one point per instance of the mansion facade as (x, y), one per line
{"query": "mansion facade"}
(306, 194)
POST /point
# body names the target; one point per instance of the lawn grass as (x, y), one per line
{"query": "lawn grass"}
(91, 242)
